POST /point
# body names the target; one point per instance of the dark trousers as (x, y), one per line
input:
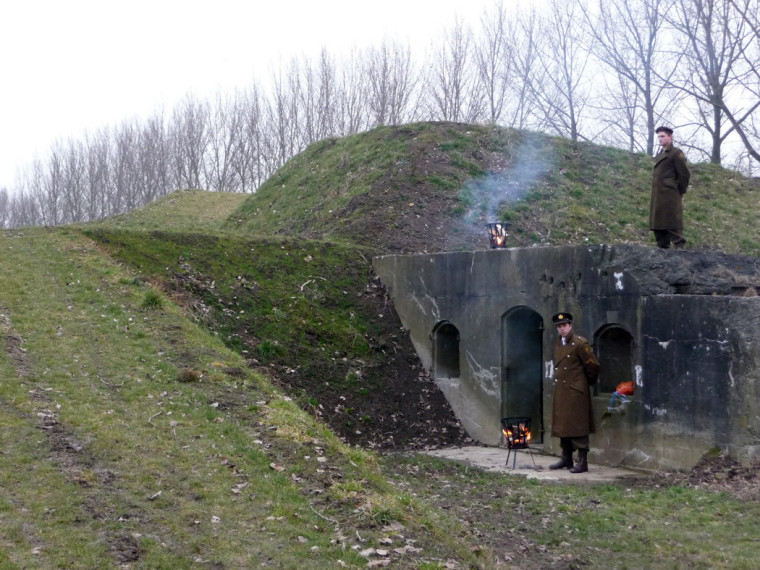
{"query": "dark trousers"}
(573, 443)
(666, 237)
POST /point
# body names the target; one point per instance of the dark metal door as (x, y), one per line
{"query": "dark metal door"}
(522, 371)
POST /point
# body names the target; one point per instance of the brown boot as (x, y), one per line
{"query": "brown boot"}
(565, 461)
(582, 465)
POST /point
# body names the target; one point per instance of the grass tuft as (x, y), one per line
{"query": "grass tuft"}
(152, 301)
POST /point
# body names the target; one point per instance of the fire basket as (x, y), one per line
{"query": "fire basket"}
(497, 234)
(517, 432)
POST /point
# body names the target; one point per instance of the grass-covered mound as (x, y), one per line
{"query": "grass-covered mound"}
(433, 186)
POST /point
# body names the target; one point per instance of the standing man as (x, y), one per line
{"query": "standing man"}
(575, 369)
(669, 182)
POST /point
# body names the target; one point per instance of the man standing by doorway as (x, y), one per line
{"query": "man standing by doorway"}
(575, 369)
(670, 178)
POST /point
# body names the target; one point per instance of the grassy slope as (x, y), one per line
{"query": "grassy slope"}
(184, 210)
(308, 314)
(109, 457)
(442, 179)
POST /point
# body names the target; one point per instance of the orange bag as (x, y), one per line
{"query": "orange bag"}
(625, 388)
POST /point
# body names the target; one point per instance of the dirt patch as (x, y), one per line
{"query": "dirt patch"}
(13, 344)
(125, 549)
(404, 409)
(715, 473)
(67, 451)
(81, 467)
(426, 202)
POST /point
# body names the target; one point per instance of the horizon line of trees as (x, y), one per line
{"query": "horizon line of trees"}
(606, 71)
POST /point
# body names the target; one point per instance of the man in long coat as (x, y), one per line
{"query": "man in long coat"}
(575, 369)
(670, 178)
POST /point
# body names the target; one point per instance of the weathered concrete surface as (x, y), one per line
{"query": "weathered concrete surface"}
(532, 465)
(691, 317)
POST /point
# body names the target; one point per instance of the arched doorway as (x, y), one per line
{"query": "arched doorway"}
(614, 349)
(445, 350)
(522, 367)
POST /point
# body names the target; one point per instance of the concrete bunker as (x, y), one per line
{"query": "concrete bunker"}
(683, 325)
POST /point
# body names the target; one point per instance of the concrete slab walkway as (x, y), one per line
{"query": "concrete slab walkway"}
(533, 464)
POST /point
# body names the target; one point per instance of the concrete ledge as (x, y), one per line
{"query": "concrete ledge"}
(494, 459)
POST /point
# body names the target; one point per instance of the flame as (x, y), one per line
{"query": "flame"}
(497, 233)
(523, 435)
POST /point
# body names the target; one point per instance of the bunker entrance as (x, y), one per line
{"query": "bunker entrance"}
(522, 379)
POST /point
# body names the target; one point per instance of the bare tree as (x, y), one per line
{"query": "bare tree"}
(124, 168)
(223, 142)
(97, 174)
(73, 181)
(452, 93)
(247, 159)
(527, 78)
(560, 87)
(715, 37)
(318, 98)
(627, 38)
(5, 203)
(622, 112)
(283, 121)
(391, 80)
(352, 105)
(51, 186)
(19, 203)
(188, 137)
(745, 118)
(494, 59)
(153, 159)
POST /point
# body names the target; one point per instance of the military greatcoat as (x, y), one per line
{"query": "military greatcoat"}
(575, 368)
(670, 179)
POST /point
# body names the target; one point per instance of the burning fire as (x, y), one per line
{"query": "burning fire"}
(497, 234)
(517, 432)
(521, 438)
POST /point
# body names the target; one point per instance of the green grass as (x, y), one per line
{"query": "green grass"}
(135, 431)
(553, 191)
(317, 184)
(264, 286)
(635, 525)
(184, 210)
(107, 457)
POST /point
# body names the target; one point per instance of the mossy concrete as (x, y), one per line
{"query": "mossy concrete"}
(692, 320)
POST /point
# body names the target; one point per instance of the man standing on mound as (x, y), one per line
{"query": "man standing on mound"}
(575, 369)
(670, 178)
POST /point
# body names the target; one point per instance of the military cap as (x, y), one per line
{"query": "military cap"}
(664, 130)
(560, 318)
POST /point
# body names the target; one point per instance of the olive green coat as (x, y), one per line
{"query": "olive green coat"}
(670, 179)
(575, 368)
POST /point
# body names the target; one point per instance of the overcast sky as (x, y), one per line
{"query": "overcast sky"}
(70, 66)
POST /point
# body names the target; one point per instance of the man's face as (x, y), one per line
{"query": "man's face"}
(564, 329)
(664, 138)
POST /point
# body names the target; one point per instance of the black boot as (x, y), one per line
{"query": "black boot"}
(582, 465)
(565, 461)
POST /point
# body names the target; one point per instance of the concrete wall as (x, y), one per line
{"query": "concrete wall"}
(694, 355)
